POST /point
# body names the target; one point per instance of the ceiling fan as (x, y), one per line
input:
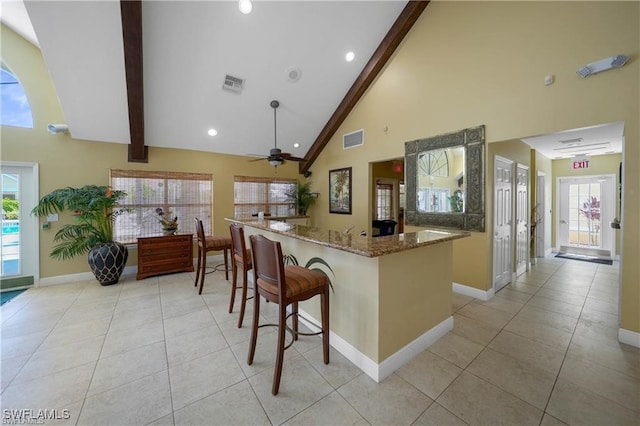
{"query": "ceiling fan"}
(276, 156)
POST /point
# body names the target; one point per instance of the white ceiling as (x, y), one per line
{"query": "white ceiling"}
(594, 140)
(188, 47)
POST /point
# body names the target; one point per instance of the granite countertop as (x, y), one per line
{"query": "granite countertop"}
(363, 246)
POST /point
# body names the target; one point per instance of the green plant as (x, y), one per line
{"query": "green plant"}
(10, 208)
(302, 196)
(94, 208)
(456, 201)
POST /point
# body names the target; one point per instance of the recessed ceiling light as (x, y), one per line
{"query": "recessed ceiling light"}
(350, 56)
(296, 145)
(212, 132)
(245, 6)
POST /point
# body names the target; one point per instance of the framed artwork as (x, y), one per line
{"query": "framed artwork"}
(340, 191)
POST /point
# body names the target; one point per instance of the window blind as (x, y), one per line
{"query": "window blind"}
(182, 195)
(261, 194)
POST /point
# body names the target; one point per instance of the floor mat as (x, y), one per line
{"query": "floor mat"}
(585, 258)
(6, 296)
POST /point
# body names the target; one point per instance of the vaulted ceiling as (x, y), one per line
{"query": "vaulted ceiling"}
(291, 51)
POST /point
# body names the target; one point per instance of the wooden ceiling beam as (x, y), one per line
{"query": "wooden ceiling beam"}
(387, 47)
(131, 14)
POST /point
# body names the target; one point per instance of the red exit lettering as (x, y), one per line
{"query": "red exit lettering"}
(581, 164)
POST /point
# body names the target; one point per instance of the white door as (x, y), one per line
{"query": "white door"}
(522, 219)
(18, 252)
(586, 206)
(502, 227)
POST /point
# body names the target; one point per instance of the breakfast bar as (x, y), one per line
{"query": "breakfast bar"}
(391, 295)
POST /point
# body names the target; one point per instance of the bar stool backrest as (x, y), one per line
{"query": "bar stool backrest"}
(237, 240)
(268, 265)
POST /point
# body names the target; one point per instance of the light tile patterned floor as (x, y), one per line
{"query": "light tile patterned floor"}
(544, 350)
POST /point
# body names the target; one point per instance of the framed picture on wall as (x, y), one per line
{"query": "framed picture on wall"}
(340, 191)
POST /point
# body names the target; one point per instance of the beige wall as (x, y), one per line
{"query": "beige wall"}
(470, 63)
(64, 161)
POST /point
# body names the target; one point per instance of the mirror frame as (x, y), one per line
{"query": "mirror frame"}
(473, 217)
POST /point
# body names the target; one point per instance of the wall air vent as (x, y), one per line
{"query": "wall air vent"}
(353, 139)
(232, 84)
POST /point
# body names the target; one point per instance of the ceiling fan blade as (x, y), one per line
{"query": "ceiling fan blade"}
(258, 159)
(290, 157)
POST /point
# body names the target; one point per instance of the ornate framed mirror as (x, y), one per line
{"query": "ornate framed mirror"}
(445, 177)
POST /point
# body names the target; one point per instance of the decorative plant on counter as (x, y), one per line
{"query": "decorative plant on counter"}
(302, 196)
(95, 209)
(169, 226)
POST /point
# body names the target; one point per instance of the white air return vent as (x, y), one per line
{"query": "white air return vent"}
(232, 84)
(353, 139)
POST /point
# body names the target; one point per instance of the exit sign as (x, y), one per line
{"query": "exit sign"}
(579, 163)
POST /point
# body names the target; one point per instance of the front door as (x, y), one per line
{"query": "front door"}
(586, 207)
(502, 227)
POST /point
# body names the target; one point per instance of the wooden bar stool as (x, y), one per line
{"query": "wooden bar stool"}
(205, 245)
(240, 257)
(284, 286)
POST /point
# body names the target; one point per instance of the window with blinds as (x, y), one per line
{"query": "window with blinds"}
(182, 195)
(384, 201)
(268, 195)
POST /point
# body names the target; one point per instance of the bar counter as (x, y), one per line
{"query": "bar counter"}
(392, 295)
(353, 243)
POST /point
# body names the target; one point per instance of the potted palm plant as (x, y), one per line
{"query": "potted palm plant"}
(302, 196)
(95, 208)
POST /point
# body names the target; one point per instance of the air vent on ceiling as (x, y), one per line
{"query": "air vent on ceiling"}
(232, 84)
(353, 139)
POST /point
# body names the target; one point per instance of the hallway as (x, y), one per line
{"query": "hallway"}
(544, 350)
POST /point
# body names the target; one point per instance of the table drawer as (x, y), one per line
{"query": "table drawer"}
(164, 254)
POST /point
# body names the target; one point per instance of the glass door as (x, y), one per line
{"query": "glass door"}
(18, 235)
(586, 206)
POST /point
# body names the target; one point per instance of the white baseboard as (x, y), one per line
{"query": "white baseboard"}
(629, 337)
(65, 279)
(379, 372)
(128, 270)
(407, 353)
(465, 290)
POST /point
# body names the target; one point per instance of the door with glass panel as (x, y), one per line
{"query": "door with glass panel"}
(586, 206)
(18, 251)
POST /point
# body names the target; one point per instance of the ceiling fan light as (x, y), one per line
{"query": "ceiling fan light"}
(275, 162)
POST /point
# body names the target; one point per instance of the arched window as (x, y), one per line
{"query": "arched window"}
(14, 109)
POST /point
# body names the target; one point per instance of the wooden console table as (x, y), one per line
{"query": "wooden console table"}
(164, 254)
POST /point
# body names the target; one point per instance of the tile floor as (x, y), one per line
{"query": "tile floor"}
(542, 351)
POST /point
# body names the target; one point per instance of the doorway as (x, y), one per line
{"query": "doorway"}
(523, 238)
(19, 248)
(538, 217)
(586, 206)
